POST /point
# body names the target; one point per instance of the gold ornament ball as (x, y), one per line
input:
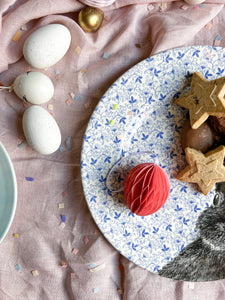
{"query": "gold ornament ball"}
(90, 19)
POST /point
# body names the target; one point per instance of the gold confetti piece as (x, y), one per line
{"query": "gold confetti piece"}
(120, 291)
(35, 272)
(83, 71)
(78, 50)
(60, 205)
(15, 235)
(50, 107)
(163, 6)
(17, 36)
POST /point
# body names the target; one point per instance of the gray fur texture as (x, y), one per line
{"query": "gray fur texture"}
(204, 258)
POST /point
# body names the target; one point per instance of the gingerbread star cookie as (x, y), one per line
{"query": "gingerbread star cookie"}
(204, 169)
(204, 98)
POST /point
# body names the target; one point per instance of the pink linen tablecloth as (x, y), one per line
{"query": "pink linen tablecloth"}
(63, 255)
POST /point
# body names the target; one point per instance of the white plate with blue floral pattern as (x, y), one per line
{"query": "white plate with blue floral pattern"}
(8, 192)
(137, 114)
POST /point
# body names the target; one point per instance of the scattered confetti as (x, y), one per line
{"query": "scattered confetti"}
(35, 272)
(107, 18)
(120, 291)
(196, 7)
(57, 72)
(218, 38)
(163, 6)
(78, 97)
(72, 95)
(18, 267)
(17, 36)
(58, 76)
(97, 268)
(72, 275)
(68, 143)
(50, 106)
(29, 178)
(62, 148)
(191, 285)
(86, 240)
(202, 5)
(150, 7)
(24, 27)
(78, 50)
(21, 144)
(130, 113)
(83, 71)
(105, 55)
(111, 122)
(62, 225)
(64, 264)
(15, 235)
(115, 106)
(184, 7)
(60, 205)
(208, 26)
(64, 194)
(95, 290)
(75, 251)
(63, 218)
(27, 69)
(92, 266)
(87, 105)
(68, 102)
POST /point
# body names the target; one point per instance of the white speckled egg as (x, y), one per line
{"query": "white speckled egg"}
(41, 130)
(33, 87)
(47, 45)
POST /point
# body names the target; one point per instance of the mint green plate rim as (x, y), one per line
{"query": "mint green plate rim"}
(8, 192)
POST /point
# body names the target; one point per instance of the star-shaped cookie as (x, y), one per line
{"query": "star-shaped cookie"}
(204, 98)
(204, 169)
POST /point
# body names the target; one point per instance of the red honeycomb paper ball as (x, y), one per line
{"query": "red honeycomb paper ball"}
(146, 189)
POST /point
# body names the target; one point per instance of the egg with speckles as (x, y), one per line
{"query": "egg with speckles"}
(47, 45)
(41, 130)
(33, 87)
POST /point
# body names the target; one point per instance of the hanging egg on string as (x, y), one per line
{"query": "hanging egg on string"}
(145, 185)
(32, 87)
(90, 18)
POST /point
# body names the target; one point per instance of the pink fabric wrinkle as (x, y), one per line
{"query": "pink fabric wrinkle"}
(175, 28)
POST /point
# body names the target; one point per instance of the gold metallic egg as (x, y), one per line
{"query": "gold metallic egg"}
(90, 19)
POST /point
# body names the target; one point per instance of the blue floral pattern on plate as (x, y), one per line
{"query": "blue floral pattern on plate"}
(137, 113)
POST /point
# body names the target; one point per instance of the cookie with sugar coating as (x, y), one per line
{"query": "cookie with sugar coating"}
(204, 169)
